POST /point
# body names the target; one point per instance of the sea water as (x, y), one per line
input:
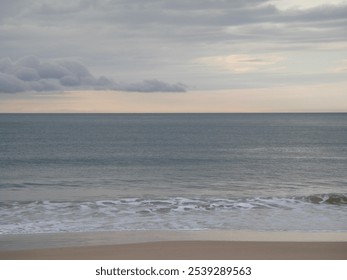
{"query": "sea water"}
(113, 172)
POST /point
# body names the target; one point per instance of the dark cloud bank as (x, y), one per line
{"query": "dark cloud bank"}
(32, 75)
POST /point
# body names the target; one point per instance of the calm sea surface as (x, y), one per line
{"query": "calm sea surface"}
(102, 172)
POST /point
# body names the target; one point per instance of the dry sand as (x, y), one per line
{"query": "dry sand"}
(171, 245)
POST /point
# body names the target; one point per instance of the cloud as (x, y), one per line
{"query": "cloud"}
(27, 74)
(11, 8)
(153, 86)
(11, 84)
(30, 74)
(242, 63)
(6, 65)
(300, 4)
(140, 40)
(159, 19)
(341, 68)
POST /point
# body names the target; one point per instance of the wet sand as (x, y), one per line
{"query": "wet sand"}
(165, 245)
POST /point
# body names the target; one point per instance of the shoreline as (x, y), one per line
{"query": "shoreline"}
(152, 245)
(10, 242)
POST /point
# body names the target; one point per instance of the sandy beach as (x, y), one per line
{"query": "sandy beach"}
(188, 245)
(191, 250)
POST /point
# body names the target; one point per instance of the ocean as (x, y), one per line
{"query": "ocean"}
(115, 172)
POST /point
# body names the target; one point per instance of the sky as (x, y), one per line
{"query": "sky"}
(173, 56)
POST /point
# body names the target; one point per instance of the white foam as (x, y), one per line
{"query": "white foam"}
(293, 213)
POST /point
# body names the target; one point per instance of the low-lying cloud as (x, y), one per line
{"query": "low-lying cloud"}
(32, 75)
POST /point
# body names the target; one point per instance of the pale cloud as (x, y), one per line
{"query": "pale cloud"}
(304, 4)
(341, 68)
(243, 63)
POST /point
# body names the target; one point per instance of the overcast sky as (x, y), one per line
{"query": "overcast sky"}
(173, 56)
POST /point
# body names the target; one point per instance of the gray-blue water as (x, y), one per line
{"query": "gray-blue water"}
(101, 172)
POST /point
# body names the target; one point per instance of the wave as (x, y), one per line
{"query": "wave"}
(333, 199)
(178, 204)
(262, 213)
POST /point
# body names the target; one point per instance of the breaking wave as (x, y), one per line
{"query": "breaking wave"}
(334, 199)
(274, 213)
